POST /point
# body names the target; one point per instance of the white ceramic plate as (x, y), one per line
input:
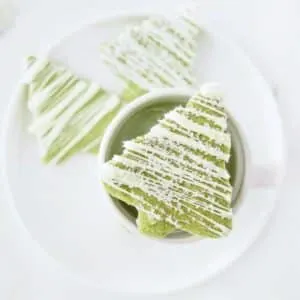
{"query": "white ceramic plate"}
(62, 207)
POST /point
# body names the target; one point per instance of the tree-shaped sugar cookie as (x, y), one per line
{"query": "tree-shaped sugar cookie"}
(69, 114)
(176, 174)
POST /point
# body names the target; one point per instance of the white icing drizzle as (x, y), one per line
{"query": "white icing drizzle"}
(93, 144)
(221, 122)
(181, 186)
(210, 107)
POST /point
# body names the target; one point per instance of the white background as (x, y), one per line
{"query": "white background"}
(270, 32)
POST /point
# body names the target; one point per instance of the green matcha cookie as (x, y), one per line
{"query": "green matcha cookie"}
(69, 114)
(175, 175)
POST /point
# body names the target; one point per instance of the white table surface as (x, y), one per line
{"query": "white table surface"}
(270, 32)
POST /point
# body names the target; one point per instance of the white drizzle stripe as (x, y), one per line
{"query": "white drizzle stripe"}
(205, 105)
(92, 144)
(219, 121)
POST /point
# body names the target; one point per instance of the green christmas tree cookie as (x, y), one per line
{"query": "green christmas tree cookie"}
(176, 173)
(69, 114)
